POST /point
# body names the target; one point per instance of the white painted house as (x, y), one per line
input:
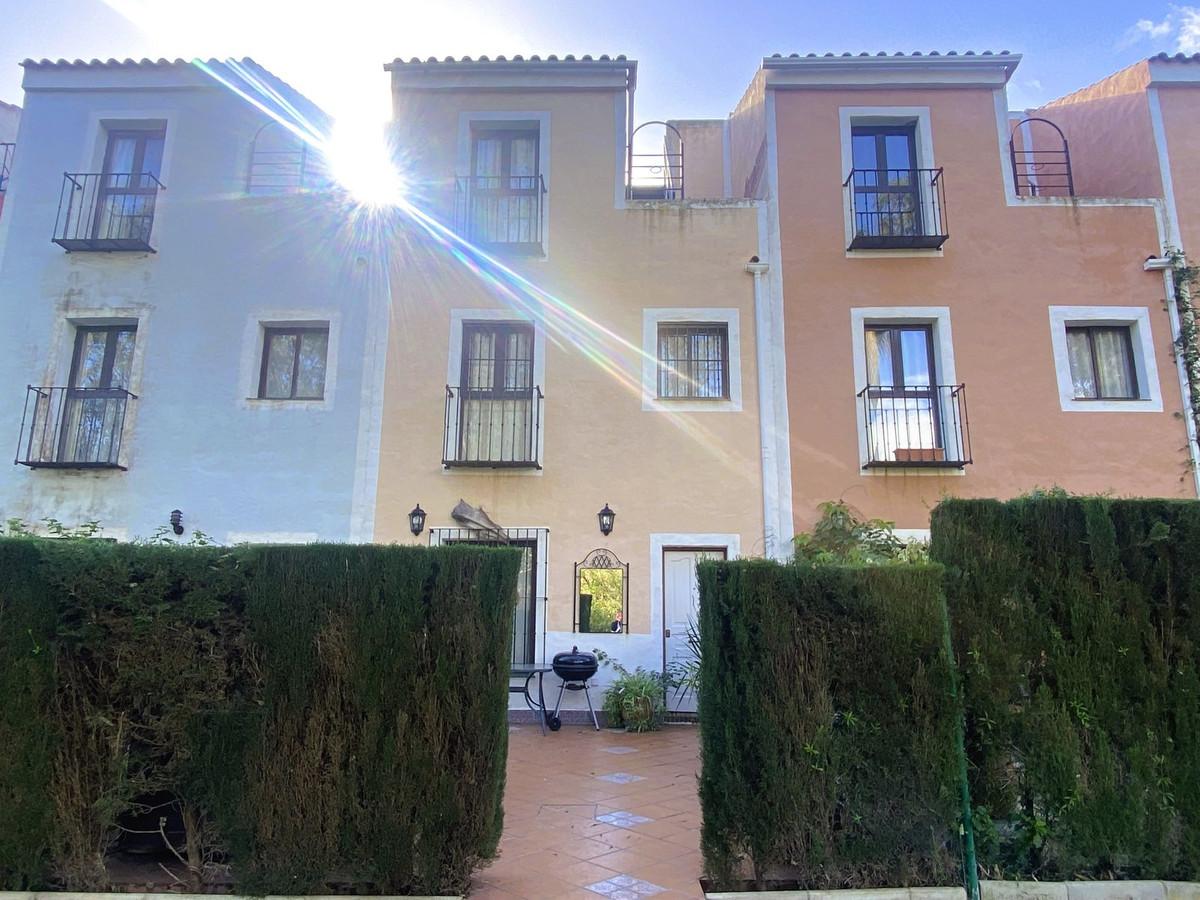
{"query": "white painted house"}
(192, 319)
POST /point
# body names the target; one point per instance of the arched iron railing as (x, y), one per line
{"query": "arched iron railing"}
(282, 163)
(1040, 171)
(656, 175)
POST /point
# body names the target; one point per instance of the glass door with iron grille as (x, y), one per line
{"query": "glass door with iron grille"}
(902, 399)
(94, 407)
(506, 188)
(496, 409)
(129, 185)
(887, 197)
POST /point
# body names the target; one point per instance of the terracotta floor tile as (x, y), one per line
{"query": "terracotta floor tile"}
(552, 845)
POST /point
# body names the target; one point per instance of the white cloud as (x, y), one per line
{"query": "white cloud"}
(1181, 24)
(1188, 39)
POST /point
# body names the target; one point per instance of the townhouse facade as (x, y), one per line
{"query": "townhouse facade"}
(948, 329)
(188, 345)
(618, 346)
(584, 353)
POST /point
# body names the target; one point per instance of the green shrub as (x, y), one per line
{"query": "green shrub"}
(321, 714)
(827, 725)
(1076, 627)
(635, 700)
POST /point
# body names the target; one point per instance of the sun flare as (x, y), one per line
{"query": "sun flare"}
(360, 161)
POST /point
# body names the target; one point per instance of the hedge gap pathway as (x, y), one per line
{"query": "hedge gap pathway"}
(571, 832)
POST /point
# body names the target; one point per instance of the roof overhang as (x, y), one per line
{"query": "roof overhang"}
(517, 74)
(983, 70)
(1179, 69)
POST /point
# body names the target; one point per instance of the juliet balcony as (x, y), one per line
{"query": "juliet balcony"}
(916, 427)
(492, 429)
(501, 212)
(896, 209)
(72, 428)
(106, 211)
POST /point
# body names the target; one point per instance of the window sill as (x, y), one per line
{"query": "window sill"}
(1143, 405)
(267, 403)
(656, 404)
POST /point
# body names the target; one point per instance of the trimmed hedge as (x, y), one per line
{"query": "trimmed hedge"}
(1077, 624)
(323, 714)
(827, 726)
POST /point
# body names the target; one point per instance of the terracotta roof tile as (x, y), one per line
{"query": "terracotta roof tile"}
(885, 53)
(535, 58)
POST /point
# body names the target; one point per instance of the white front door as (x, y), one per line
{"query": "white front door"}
(681, 607)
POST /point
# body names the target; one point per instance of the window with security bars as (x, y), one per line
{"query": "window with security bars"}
(497, 397)
(693, 361)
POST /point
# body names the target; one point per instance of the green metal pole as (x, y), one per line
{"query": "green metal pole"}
(966, 827)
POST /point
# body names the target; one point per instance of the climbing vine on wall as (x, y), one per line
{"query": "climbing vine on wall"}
(1187, 281)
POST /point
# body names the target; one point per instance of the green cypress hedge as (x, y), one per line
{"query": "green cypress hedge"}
(1076, 625)
(325, 715)
(827, 726)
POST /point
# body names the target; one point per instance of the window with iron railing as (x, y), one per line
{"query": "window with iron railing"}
(493, 416)
(894, 203)
(910, 419)
(113, 209)
(81, 425)
(501, 204)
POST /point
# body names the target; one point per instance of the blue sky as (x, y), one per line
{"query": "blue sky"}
(694, 58)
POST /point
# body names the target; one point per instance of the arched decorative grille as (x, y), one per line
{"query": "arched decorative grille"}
(602, 593)
(1041, 159)
(281, 162)
(655, 174)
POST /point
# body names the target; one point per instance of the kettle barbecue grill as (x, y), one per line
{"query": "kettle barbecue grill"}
(575, 669)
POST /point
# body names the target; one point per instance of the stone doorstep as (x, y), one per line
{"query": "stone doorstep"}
(998, 890)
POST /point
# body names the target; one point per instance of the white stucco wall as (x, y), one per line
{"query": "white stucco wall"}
(10, 118)
(236, 467)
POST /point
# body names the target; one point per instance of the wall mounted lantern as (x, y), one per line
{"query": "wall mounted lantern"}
(416, 520)
(177, 521)
(606, 517)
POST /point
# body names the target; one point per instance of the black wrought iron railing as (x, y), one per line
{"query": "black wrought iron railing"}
(501, 211)
(106, 211)
(72, 428)
(6, 155)
(916, 426)
(1041, 160)
(897, 208)
(492, 429)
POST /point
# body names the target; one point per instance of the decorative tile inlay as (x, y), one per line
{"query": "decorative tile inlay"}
(625, 887)
(618, 750)
(620, 778)
(623, 819)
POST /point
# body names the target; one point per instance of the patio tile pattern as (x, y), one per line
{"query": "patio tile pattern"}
(569, 833)
(622, 818)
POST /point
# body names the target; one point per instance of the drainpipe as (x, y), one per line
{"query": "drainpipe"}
(966, 828)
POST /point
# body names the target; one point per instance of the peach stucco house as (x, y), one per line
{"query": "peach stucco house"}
(946, 333)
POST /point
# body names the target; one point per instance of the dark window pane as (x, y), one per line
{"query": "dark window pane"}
(693, 361)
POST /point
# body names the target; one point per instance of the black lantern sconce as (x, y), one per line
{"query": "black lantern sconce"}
(606, 517)
(416, 520)
(177, 521)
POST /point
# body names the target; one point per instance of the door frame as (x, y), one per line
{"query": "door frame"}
(731, 543)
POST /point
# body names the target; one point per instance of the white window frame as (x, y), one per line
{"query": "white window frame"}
(460, 317)
(1137, 319)
(850, 116)
(699, 315)
(469, 118)
(250, 370)
(938, 317)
